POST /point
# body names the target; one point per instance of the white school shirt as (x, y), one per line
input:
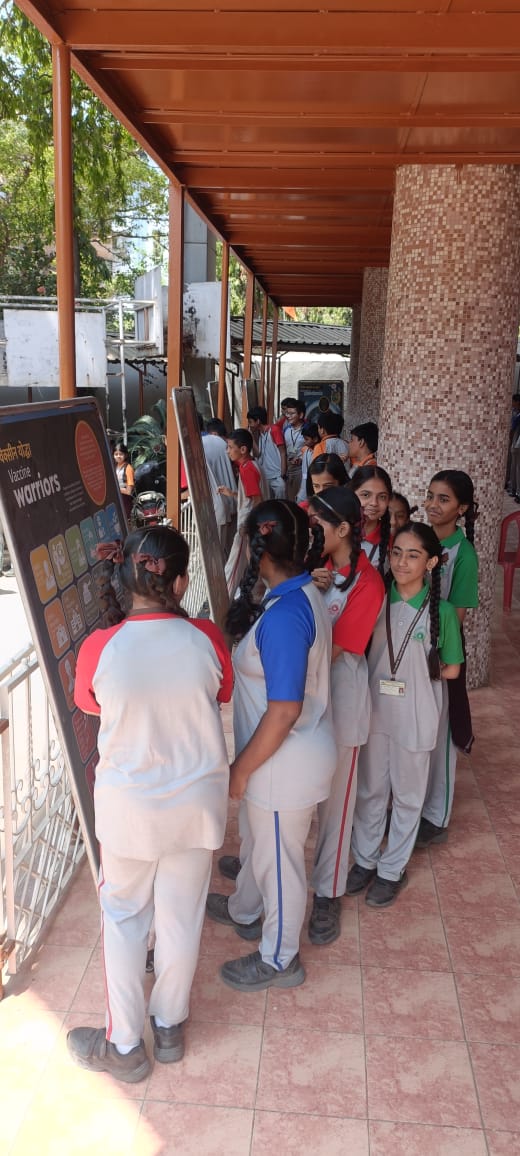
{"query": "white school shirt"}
(300, 772)
(350, 695)
(269, 458)
(162, 778)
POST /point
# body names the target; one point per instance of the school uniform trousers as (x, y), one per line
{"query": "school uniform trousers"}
(276, 812)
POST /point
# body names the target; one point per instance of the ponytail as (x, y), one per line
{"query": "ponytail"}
(434, 662)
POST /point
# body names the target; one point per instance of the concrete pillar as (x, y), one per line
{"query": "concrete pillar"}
(450, 346)
(351, 398)
(371, 344)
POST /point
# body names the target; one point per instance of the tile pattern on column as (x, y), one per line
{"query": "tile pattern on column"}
(371, 344)
(450, 347)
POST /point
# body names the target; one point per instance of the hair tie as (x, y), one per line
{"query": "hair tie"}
(111, 552)
(265, 528)
(153, 565)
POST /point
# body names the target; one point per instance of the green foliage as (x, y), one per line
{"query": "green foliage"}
(119, 194)
(146, 437)
(332, 315)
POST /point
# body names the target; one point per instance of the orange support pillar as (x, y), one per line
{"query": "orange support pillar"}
(261, 392)
(274, 351)
(248, 338)
(175, 334)
(64, 217)
(221, 398)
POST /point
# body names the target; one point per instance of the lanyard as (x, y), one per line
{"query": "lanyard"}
(396, 662)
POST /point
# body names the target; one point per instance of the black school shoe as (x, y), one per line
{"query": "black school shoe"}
(324, 923)
(250, 973)
(384, 892)
(168, 1043)
(229, 866)
(91, 1050)
(429, 833)
(358, 878)
(217, 909)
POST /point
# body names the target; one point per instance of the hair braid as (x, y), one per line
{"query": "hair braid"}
(384, 541)
(356, 539)
(315, 555)
(469, 521)
(243, 610)
(163, 593)
(434, 662)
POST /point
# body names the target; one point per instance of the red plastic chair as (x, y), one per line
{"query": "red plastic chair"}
(509, 559)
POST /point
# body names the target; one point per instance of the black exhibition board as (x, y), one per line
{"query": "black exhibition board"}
(198, 486)
(59, 498)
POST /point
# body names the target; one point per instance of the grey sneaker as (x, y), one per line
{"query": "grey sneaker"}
(217, 909)
(250, 973)
(324, 923)
(428, 833)
(168, 1043)
(358, 878)
(229, 866)
(90, 1049)
(384, 892)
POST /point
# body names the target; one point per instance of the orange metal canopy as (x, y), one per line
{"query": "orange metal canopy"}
(286, 121)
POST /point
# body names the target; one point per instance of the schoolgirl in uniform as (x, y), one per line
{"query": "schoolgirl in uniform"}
(284, 743)
(416, 644)
(450, 497)
(353, 593)
(400, 512)
(310, 437)
(326, 470)
(374, 490)
(160, 797)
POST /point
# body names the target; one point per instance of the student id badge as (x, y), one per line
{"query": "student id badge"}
(392, 686)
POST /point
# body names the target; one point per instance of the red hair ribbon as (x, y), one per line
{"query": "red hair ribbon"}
(111, 552)
(154, 565)
(266, 527)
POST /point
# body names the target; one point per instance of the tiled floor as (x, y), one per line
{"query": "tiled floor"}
(404, 1040)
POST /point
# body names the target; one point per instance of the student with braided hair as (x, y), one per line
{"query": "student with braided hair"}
(285, 753)
(155, 680)
(416, 644)
(374, 490)
(353, 593)
(450, 497)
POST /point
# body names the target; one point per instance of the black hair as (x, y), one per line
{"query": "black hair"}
(121, 448)
(280, 529)
(289, 402)
(216, 426)
(369, 433)
(161, 543)
(337, 505)
(242, 437)
(329, 422)
(462, 487)
(310, 430)
(429, 542)
(326, 464)
(395, 497)
(366, 474)
(258, 413)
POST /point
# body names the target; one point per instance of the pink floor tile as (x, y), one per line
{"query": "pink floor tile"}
(211, 1000)
(424, 1140)
(329, 1000)
(497, 1069)
(223, 942)
(391, 939)
(53, 975)
(77, 924)
(14, 1105)
(220, 1067)
(60, 1071)
(90, 996)
(344, 950)
(58, 1124)
(295, 1135)
(420, 897)
(314, 1072)
(490, 1007)
(192, 1130)
(486, 945)
(491, 893)
(503, 1143)
(421, 1081)
(475, 848)
(410, 1003)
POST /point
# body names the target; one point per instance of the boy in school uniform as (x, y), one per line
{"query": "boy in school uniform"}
(248, 495)
(269, 450)
(362, 447)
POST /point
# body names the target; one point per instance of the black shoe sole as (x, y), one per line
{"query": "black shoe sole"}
(362, 886)
(278, 980)
(322, 938)
(388, 902)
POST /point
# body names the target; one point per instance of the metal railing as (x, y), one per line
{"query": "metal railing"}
(40, 838)
(195, 601)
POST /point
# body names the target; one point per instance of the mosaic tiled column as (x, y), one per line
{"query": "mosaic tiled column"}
(450, 346)
(371, 344)
(351, 398)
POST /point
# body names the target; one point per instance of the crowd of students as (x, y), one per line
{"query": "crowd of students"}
(345, 624)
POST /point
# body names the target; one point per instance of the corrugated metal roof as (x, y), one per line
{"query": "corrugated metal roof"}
(295, 336)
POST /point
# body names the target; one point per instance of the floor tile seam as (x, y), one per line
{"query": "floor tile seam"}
(363, 1016)
(470, 1058)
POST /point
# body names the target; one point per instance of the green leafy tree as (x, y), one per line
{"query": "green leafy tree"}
(120, 196)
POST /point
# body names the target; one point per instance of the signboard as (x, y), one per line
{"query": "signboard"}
(32, 348)
(320, 396)
(58, 498)
(200, 494)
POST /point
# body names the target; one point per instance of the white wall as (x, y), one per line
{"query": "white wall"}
(32, 348)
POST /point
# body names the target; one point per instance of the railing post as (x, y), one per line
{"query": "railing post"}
(221, 397)
(64, 215)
